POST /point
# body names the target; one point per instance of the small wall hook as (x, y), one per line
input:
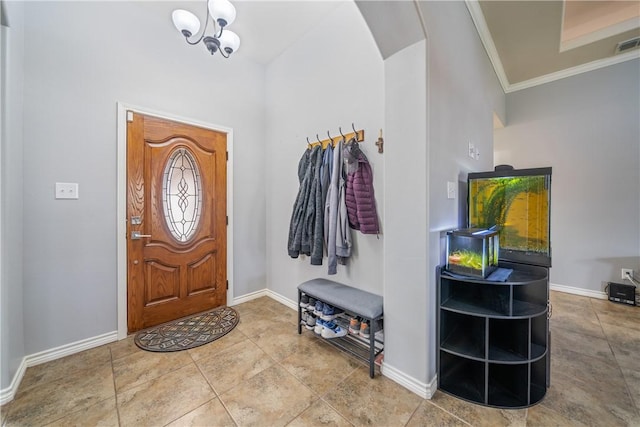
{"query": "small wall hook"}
(380, 143)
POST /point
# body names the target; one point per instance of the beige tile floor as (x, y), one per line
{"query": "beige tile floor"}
(264, 374)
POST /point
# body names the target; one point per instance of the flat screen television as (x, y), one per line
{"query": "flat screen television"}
(518, 203)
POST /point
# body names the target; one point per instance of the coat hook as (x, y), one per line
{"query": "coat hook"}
(308, 143)
(354, 130)
(330, 139)
(380, 143)
(318, 139)
(340, 129)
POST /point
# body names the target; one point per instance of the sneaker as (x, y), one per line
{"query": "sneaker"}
(333, 330)
(318, 308)
(304, 301)
(319, 326)
(364, 329)
(329, 312)
(303, 317)
(354, 325)
(311, 322)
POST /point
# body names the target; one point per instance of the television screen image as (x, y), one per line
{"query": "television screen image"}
(517, 201)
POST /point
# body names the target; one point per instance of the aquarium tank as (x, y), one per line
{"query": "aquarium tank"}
(517, 203)
(472, 252)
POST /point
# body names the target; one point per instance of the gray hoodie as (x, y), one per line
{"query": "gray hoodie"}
(339, 237)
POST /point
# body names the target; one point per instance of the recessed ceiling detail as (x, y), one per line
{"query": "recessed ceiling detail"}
(523, 37)
(585, 22)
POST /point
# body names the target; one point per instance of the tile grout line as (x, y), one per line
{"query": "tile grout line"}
(448, 412)
(318, 395)
(115, 390)
(214, 392)
(322, 397)
(624, 377)
(315, 393)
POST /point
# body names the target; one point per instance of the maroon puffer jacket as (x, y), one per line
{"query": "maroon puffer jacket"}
(360, 200)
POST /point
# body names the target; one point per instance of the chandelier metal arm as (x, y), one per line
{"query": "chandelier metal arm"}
(222, 53)
(204, 31)
(222, 15)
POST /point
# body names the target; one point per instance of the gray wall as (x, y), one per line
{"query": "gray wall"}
(331, 77)
(405, 249)
(11, 283)
(463, 94)
(71, 90)
(586, 127)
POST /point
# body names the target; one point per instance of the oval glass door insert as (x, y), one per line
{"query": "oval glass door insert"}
(182, 194)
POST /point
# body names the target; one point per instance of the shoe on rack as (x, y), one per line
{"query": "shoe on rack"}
(303, 317)
(312, 304)
(365, 331)
(304, 301)
(319, 327)
(329, 312)
(333, 330)
(311, 322)
(354, 325)
(318, 308)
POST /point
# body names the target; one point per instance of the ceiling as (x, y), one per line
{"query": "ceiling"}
(267, 28)
(533, 42)
(529, 42)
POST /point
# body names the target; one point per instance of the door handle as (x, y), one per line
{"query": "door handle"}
(135, 235)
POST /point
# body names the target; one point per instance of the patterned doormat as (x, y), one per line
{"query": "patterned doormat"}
(188, 332)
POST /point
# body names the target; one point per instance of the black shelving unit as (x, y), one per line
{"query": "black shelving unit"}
(493, 337)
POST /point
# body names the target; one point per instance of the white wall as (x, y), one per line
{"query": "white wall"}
(72, 85)
(463, 94)
(11, 171)
(586, 128)
(331, 77)
(405, 250)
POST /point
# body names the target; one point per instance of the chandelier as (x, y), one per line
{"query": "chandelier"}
(222, 13)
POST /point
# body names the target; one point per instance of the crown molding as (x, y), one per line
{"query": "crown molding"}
(573, 71)
(485, 36)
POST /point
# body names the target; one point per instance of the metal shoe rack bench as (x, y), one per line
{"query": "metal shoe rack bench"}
(354, 302)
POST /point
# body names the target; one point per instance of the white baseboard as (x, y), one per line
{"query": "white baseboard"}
(7, 394)
(265, 293)
(69, 349)
(283, 300)
(578, 291)
(249, 297)
(424, 390)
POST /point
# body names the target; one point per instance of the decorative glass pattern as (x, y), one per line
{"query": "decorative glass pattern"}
(182, 194)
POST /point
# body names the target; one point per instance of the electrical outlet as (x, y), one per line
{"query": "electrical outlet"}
(625, 271)
(66, 190)
(472, 150)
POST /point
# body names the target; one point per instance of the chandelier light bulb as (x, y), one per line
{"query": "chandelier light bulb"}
(186, 22)
(222, 11)
(229, 41)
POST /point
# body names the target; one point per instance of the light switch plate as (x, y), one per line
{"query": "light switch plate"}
(451, 190)
(66, 190)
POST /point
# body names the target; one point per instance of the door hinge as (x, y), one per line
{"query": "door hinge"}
(227, 285)
(129, 116)
(227, 219)
(227, 156)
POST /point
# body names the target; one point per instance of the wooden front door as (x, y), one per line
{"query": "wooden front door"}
(176, 220)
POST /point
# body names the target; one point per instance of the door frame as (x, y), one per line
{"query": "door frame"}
(121, 229)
